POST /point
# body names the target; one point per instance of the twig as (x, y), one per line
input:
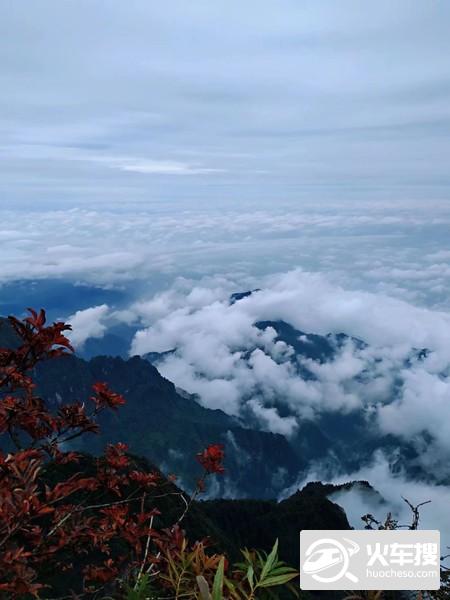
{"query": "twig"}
(147, 547)
(415, 512)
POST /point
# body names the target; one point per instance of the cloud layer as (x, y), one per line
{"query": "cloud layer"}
(212, 101)
(400, 250)
(87, 324)
(391, 487)
(221, 355)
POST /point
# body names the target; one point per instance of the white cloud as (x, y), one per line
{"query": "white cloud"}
(424, 405)
(391, 487)
(232, 364)
(114, 242)
(271, 420)
(88, 323)
(160, 167)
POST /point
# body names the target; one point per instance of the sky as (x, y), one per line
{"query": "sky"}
(146, 144)
(144, 141)
(157, 157)
(108, 103)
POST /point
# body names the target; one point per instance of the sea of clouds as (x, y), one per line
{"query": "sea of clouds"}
(377, 272)
(183, 154)
(220, 355)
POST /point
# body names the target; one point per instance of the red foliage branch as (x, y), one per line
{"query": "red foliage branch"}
(211, 458)
(46, 526)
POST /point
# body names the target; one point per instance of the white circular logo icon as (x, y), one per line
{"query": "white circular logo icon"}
(330, 557)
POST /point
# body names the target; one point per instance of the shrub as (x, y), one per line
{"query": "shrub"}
(95, 525)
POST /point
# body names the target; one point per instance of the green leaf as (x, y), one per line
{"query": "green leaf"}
(281, 569)
(294, 589)
(246, 554)
(229, 584)
(271, 559)
(218, 581)
(235, 591)
(250, 573)
(277, 580)
(140, 591)
(203, 587)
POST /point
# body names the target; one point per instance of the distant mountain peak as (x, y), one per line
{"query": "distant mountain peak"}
(241, 295)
